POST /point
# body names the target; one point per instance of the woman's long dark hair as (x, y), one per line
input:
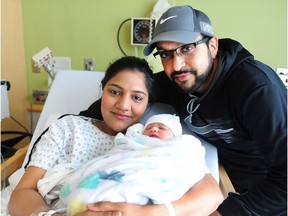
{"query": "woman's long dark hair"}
(135, 64)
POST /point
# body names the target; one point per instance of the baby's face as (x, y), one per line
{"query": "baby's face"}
(158, 130)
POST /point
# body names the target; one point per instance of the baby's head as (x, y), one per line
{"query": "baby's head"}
(163, 126)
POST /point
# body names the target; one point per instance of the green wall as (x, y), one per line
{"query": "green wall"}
(88, 28)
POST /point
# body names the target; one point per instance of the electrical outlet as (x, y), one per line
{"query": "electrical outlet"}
(89, 64)
(60, 63)
(283, 74)
(39, 95)
(282, 71)
(34, 68)
(42, 57)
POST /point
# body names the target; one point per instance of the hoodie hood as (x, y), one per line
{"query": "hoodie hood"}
(230, 54)
(234, 54)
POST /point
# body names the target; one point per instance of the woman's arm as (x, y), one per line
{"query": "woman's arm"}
(202, 199)
(25, 198)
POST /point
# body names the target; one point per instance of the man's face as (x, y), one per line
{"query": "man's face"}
(190, 72)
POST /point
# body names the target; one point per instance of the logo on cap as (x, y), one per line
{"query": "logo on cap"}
(164, 20)
(205, 27)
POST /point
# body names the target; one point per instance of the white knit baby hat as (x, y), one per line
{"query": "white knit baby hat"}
(171, 121)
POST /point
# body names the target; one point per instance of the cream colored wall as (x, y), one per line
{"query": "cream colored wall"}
(13, 66)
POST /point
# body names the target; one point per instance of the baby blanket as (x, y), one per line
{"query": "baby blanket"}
(137, 170)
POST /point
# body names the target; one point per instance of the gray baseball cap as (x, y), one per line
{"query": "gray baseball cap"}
(181, 24)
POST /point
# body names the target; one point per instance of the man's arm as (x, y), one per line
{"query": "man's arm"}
(266, 121)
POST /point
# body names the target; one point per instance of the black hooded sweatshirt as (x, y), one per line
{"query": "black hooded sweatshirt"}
(244, 114)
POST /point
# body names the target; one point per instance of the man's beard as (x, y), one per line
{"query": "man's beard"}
(199, 79)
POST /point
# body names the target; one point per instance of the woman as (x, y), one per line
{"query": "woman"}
(127, 88)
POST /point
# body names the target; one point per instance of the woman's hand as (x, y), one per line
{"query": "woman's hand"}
(90, 213)
(123, 209)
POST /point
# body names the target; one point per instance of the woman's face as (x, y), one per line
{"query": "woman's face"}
(124, 101)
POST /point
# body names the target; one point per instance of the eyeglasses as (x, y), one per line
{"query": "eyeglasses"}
(183, 50)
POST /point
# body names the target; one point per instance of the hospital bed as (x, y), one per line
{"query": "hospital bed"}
(70, 93)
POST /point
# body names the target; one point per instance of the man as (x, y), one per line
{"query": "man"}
(233, 101)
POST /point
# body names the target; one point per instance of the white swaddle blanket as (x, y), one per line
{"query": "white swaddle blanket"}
(138, 170)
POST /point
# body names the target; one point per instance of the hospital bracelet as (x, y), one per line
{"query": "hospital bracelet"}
(170, 208)
(49, 213)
